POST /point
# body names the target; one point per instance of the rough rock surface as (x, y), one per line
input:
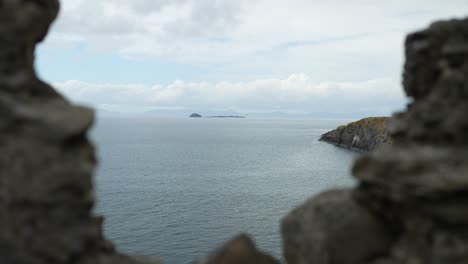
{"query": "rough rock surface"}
(363, 135)
(416, 187)
(320, 231)
(419, 185)
(46, 160)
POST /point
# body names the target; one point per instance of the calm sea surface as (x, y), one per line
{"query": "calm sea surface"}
(177, 188)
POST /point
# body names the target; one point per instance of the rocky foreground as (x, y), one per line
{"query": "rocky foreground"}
(410, 205)
(363, 135)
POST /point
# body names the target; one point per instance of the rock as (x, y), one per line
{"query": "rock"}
(419, 184)
(195, 115)
(240, 250)
(363, 135)
(24, 23)
(415, 178)
(415, 190)
(46, 160)
(331, 229)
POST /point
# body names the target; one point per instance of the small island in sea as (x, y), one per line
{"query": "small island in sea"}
(195, 115)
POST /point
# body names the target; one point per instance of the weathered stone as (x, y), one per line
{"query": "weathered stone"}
(22, 25)
(240, 250)
(332, 229)
(419, 185)
(46, 160)
(435, 77)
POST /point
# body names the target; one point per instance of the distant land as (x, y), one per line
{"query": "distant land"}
(196, 115)
(230, 116)
(183, 113)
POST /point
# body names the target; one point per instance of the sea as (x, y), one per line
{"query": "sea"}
(179, 188)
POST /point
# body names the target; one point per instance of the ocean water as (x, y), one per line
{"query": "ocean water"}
(178, 188)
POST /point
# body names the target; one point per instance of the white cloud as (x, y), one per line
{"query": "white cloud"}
(209, 31)
(143, 27)
(335, 43)
(297, 93)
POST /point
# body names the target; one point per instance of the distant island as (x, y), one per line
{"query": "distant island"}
(221, 116)
(195, 115)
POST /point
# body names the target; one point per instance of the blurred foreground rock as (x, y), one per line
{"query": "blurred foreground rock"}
(413, 194)
(321, 230)
(46, 160)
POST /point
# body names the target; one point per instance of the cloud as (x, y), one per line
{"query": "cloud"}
(296, 93)
(159, 28)
(213, 31)
(349, 51)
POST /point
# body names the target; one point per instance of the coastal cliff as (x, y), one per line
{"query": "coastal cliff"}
(363, 135)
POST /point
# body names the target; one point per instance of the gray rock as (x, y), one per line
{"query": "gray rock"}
(435, 78)
(331, 229)
(419, 185)
(46, 159)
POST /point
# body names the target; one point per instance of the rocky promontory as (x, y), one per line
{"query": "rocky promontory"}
(363, 135)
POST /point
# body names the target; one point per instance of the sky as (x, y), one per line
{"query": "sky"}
(243, 56)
